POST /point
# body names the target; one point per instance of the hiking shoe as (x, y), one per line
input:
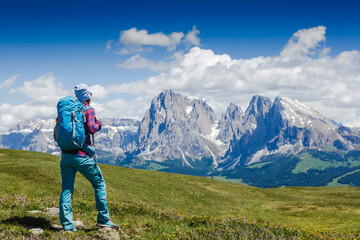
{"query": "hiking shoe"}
(72, 230)
(108, 224)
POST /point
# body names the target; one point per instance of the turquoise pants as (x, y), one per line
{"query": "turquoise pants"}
(70, 164)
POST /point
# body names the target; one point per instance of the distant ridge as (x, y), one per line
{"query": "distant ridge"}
(288, 126)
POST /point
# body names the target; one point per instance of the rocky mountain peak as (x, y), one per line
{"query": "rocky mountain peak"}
(296, 112)
(165, 99)
(258, 106)
(169, 109)
(234, 111)
(230, 124)
(285, 127)
(44, 125)
(176, 127)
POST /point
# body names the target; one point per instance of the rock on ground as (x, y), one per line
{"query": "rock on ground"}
(52, 211)
(79, 224)
(35, 211)
(35, 230)
(109, 234)
(56, 227)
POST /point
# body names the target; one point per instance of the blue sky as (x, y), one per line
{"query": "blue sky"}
(65, 43)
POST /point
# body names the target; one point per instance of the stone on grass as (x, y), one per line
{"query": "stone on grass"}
(56, 227)
(52, 211)
(35, 211)
(79, 224)
(35, 230)
(109, 234)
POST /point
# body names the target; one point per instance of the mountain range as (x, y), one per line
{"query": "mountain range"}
(179, 134)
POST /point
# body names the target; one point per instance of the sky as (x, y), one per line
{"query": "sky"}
(218, 51)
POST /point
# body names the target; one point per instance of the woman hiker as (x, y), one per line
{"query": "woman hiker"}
(80, 161)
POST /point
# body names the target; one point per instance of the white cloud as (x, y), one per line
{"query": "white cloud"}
(139, 62)
(108, 44)
(8, 82)
(302, 41)
(119, 108)
(127, 50)
(192, 37)
(134, 40)
(10, 115)
(98, 92)
(43, 90)
(142, 37)
(43, 93)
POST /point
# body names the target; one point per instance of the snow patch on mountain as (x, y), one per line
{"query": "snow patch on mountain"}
(189, 109)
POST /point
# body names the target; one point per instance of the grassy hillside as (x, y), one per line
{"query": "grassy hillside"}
(150, 204)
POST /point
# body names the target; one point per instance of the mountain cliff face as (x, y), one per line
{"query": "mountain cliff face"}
(176, 127)
(252, 135)
(231, 124)
(35, 135)
(287, 127)
(294, 122)
(117, 135)
(351, 135)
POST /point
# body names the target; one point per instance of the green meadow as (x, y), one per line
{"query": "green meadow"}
(157, 205)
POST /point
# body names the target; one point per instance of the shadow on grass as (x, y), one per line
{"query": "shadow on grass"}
(40, 222)
(27, 221)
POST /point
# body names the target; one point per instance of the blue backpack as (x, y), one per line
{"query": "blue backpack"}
(69, 131)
